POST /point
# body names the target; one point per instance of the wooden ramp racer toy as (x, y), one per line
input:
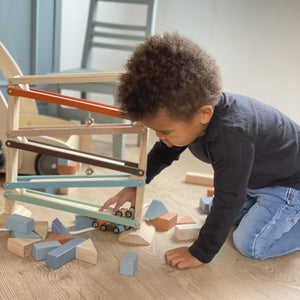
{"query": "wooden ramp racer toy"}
(20, 188)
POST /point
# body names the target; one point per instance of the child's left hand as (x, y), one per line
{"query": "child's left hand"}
(181, 258)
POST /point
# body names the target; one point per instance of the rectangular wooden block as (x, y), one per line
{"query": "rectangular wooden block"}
(21, 235)
(205, 204)
(20, 223)
(40, 250)
(63, 254)
(165, 222)
(128, 263)
(186, 232)
(201, 179)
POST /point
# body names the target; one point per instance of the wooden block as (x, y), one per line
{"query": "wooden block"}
(18, 210)
(87, 252)
(165, 222)
(186, 232)
(186, 220)
(201, 179)
(21, 235)
(20, 223)
(40, 250)
(63, 161)
(155, 210)
(63, 254)
(82, 222)
(21, 247)
(59, 237)
(128, 263)
(205, 204)
(140, 236)
(41, 228)
(58, 227)
(210, 192)
(70, 169)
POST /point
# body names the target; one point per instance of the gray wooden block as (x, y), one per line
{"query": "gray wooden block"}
(128, 263)
(82, 222)
(205, 204)
(155, 210)
(40, 250)
(21, 235)
(58, 227)
(63, 254)
(20, 223)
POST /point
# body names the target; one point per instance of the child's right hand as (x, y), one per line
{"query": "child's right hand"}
(127, 194)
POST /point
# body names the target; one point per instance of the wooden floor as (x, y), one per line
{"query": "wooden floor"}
(229, 276)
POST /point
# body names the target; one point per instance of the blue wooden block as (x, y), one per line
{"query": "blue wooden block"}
(128, 263)
(63, 254)
(82, 222)
(58, 227)
(20, 223)
(52, 190)
(40, 250)
(205, 204)
(21, 235)
(155, 210)
(63, 161)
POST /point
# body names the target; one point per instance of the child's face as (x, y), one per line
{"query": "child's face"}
(177, 132)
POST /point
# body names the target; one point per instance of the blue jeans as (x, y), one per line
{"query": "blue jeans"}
(268, 224)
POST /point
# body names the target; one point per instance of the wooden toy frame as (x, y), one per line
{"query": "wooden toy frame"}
(18, 188)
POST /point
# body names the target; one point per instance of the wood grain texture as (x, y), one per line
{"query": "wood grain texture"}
(230, 276)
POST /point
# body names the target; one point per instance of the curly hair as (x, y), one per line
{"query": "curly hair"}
(170, 72)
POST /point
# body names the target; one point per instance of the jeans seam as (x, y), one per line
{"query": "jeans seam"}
(275, 217)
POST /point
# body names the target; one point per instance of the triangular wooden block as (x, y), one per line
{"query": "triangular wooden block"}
(186, 220)
(140, 236)
(21, 247)
(86, 251)
(41, 228)
(155, 210)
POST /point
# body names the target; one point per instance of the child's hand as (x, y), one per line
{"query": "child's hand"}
(181, 258)
(125, 195)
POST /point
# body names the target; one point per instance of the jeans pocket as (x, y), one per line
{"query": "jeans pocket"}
(294, 219)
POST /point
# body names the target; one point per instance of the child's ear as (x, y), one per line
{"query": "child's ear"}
(204, 114)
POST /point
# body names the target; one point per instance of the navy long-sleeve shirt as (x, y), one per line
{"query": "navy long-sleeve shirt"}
(250, 145)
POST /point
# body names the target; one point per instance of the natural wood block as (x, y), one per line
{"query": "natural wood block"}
(70, 169)
(41, 228)
(87, 252)
(21, 247)
(186, 232)
(140, 236)
(59, 237)
(210, 192)
(165, 222)
(186, 220)
(201, 179)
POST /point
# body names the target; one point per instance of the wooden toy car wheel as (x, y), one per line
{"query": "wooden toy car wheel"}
(116, 230)
(119, 213)
(103, 228)
(95, 224)
(128, 214)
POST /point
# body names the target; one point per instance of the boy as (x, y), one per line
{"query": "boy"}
(174, 87)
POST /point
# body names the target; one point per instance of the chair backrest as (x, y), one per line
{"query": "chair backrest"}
(114, 34)
(9, 68)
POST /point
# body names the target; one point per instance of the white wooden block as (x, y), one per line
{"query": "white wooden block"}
(186, 232)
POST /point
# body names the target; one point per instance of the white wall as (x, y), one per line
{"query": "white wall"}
(256, 43)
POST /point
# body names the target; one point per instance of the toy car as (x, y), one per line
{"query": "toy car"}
(126, 212)
(108, 226)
